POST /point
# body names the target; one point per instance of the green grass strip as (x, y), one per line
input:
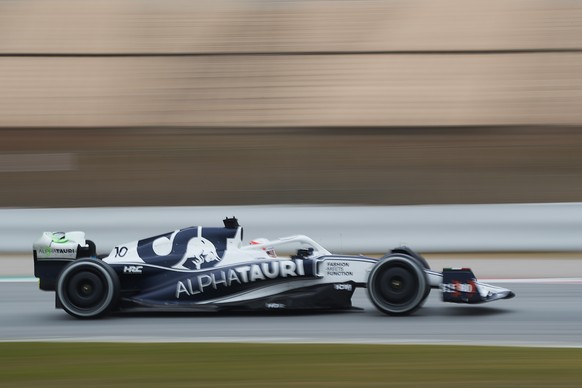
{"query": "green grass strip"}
(270, 365)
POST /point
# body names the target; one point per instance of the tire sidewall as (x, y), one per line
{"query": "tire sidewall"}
(110, 290)
(419, 295)
(418, 258)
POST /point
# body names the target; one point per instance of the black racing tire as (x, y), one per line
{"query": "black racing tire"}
(398, 285)
(88, 288)
(403, 250)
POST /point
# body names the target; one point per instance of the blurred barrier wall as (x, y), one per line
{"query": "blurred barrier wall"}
(341, 229)
(289, 63)
(165, 166)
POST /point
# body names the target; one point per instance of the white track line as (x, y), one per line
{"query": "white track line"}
(535, 281)
(306, 340)
(27, 279)
(18, 279)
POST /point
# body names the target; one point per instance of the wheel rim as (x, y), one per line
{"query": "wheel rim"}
(396, 286)
(86, 290)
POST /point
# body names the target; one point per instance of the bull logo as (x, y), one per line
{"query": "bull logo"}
(182, 249)
(199, 251)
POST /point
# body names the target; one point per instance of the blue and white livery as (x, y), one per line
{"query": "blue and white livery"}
(211, 269)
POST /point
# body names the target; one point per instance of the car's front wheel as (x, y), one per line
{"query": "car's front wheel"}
(87, 288)
(397, 285)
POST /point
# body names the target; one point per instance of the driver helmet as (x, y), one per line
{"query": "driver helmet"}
(268, 250)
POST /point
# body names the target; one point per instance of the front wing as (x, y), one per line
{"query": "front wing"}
(459, 285)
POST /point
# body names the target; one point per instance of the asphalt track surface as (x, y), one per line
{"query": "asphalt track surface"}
(547, 311)
(544, 313)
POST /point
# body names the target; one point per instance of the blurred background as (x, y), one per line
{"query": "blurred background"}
(178, 102)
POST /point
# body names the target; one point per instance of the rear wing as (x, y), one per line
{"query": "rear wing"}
(53, 250)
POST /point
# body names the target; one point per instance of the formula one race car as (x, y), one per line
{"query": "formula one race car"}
(209, 269)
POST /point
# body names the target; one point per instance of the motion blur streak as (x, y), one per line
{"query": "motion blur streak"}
(36, 162)
(250, 102)
(237, 166)
(494, 87)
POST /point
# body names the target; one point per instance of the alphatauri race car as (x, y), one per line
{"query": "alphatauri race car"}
(210, 269)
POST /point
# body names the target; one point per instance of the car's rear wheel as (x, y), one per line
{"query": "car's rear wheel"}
(87, 288)
(398, 285)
